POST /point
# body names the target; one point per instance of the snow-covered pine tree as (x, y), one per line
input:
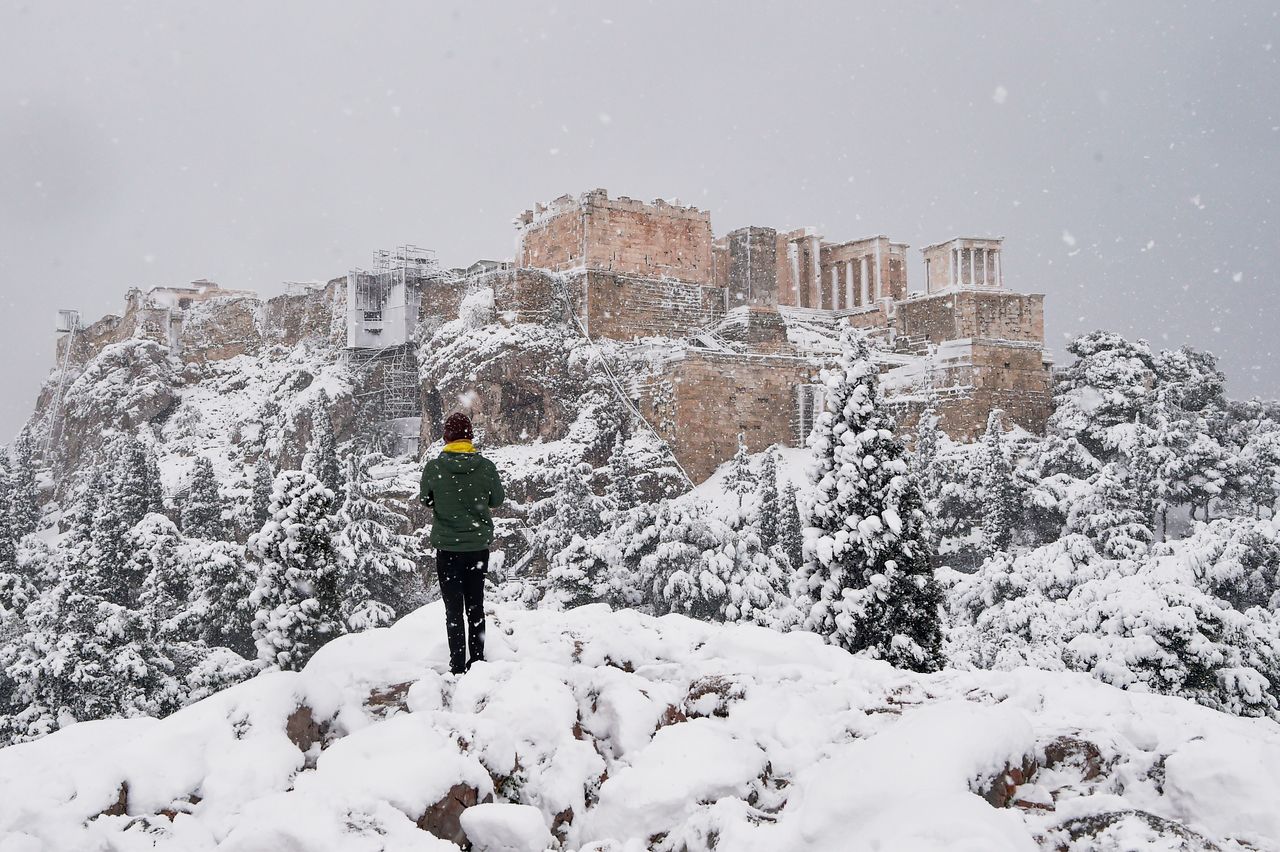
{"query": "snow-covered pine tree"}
(689, 568)
(790, 529)
(769, 513)
(82, 656)
(135, 477)
(622, 486)
(202, 511)
(866, 584)
(322, 454)
(1000, 496)
(926, 454)
(566, 520)
(121, 503)
(166, 588)
(1111, 515)
(264, 478)
(1111, 381)
(221, 585)
(740, 480)
(24, 507)
(8, 540)
(379, 578)
(296, 601)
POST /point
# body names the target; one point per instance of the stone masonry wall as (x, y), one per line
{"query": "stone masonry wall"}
(709, 398)
(623, 308)
(627, 236)
(753, 267)
(962, 314)
(659, 240)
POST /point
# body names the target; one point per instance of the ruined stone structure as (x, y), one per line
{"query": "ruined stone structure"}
(759, 310)
(709, 337)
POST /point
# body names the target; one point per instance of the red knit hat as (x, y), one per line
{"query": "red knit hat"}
(457, 428)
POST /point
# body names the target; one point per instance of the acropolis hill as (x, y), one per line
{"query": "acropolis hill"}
(707, 337)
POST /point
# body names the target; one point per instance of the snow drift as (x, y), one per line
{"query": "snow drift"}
(600, 730)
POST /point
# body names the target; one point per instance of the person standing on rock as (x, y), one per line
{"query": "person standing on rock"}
(462, 487)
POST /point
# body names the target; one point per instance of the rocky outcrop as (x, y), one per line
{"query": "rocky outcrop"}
(1125, 830)
(444, 818)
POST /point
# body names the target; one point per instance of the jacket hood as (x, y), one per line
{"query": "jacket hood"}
(457, 463)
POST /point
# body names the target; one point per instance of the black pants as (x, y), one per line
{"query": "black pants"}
(461, 576)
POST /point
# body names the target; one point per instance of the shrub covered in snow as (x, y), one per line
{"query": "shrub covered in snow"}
(1154, 623)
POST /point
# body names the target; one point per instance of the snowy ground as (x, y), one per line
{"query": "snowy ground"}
(626, 732)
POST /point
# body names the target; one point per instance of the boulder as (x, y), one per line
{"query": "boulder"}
(444, 818)
(506, 828)
(1069, 751)
(1001, 791)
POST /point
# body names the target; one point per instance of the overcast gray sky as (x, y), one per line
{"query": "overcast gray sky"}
(1127, 150)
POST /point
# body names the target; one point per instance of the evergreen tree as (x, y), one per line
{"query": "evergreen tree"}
(790, 534)
(322, 455)
(296, 601)
(155, 543)
(264, 477)
(565, 522)
(928, 438)
(117, 508)
(740, 480)
(220, 613)
(202, 512)
(622, 487)
(8, 539)
(1111, 515)
(83, 656)
(379, 578)
(127, 492)
(572, 509)
(1000, 497)
(24, 506)
(866, 584)
(770, 508)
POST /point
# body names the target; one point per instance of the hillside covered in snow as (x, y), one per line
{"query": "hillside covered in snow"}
(605, 730)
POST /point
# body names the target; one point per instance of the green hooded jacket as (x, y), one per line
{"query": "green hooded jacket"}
(461, 487)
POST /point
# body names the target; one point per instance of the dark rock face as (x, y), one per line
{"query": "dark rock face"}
(303, 730)
(517, 383)
(999, 791)
(710, 696)
(128, 385)
(1068, 751)
(1105, 832)
(443, 819)
(388, 699)
(120, 807)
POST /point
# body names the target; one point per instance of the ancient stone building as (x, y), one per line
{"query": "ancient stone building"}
(708, 338)
(757, 313)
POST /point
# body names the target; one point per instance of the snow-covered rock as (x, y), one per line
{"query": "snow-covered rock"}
(600, 730)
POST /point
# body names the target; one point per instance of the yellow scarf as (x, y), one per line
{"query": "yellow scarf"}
(463, 446)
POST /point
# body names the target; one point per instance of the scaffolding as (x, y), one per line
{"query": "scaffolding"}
(383, 305)
(68, 325)
(390, 381)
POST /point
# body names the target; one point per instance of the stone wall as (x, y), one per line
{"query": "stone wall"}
(705, 399)
(753, 267)
(964, 314)
(971, 378)
(623, 235)
(524, 295)
(624, 308)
